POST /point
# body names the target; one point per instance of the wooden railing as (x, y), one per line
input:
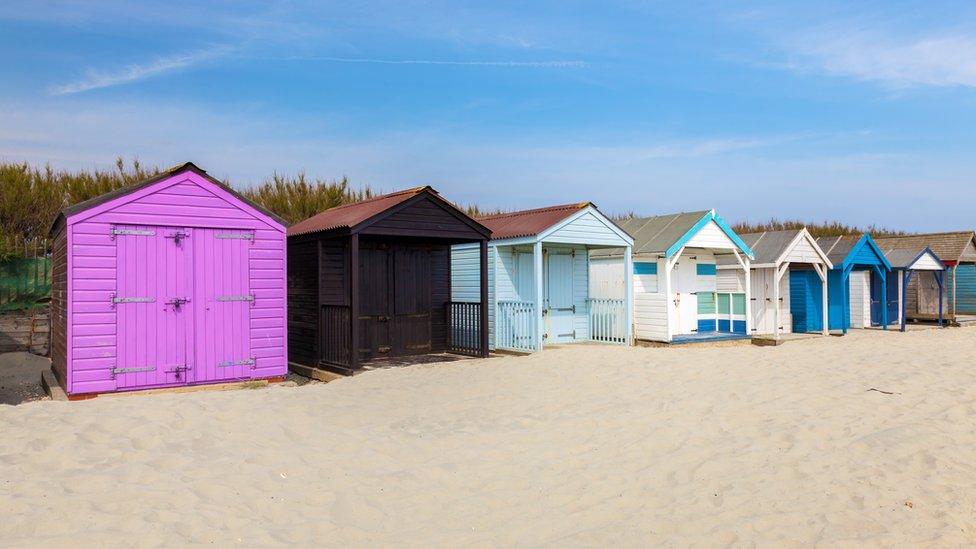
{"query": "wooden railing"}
(515, 325)
(335, 336)
(608, 320)
(464, 325)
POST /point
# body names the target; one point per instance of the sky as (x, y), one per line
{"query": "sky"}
(861, 112)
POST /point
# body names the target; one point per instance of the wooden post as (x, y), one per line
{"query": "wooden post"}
(883, 275)
(629, 294)
(824, 277)
(483, 321)
(669, 305)
(903, 280)
(845, 313)
(354, 301)
(540, 328)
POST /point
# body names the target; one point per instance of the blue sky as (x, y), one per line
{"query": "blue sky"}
(865, 112)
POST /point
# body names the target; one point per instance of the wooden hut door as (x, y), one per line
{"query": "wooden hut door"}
(152, 315)
(375, 300)
(411, 301)
(224, 301)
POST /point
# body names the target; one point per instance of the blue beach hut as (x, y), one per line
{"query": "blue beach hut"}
(857, 289)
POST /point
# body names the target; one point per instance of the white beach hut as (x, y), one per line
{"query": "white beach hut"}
(539, 278)
(789, 270)
(678, 295)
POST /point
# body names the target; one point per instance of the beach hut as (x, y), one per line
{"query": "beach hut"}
(957, 250)
(788, 282)
(370, 282)
(906, 265)
(857, 283)
(539, 278)
(679, 295)
(177, 280)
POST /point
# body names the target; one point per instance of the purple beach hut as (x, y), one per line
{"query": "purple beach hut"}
(174, 281)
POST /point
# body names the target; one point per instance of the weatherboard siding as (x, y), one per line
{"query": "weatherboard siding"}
(586, 228)
(803, 252)
(711, 236)
(182, 201)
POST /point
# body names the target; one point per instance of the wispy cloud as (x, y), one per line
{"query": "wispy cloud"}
(898, 61)
(96, 79)
(533, 64)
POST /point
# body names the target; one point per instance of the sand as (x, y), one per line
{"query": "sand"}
(587, 445)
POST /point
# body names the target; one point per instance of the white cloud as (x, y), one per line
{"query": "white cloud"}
(948, 60)
(533, 64)
(96, 79)
(753, 177)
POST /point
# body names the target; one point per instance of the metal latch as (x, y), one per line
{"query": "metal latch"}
(137, 232)
(230, 363)
(178, 236)
(178, 371)
(178, 302)
(235, 297)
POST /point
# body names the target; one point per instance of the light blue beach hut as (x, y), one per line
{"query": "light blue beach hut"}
(539, 278)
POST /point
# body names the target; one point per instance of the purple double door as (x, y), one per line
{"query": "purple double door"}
(182, 306)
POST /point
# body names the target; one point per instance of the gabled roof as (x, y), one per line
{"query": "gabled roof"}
(528, 222)
(842, 249)
(948, 246)
(903, 258)
(359, 214)
(769, 247)
(666, 234)
(166, 174)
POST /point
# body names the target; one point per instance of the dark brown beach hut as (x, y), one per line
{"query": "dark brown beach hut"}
(385, 262)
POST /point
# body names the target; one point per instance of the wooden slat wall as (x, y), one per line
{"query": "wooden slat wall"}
(303, 309)
(440, 296)
(59, 305)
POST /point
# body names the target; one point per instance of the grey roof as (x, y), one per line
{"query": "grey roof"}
(953, 246)
(768, 246)
(901, 258)
(656, 234)
(837, 247)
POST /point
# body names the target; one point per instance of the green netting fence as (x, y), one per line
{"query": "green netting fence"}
(25, 273)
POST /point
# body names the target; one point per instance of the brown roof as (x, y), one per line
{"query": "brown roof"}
(949, 247)
(350, 215)
(528, 222)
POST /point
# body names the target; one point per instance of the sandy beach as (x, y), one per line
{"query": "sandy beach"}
(587, 445)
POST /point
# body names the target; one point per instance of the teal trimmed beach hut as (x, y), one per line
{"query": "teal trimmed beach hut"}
(857, 289)
(679, 294)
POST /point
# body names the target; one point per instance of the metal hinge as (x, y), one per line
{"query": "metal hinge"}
(132, 299)
(235, 236)
(116, 371)
(246, 362)
(136, 232)
(235, 297)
